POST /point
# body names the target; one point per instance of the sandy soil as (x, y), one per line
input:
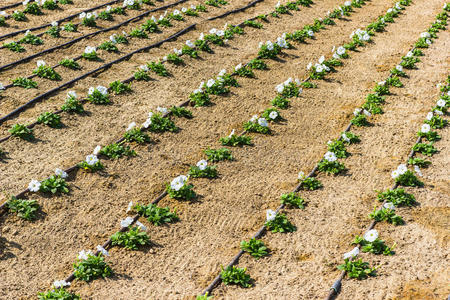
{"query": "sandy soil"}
(188, 254)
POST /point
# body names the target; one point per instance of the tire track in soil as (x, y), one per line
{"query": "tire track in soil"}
(305, 261)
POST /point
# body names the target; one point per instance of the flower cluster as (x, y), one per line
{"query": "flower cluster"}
(88, 19)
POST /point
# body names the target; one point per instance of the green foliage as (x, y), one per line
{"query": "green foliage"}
(425, 148)
(141, 75)
(50, 119)
(25, 209)
(174, 59)
(91, 55)
(308, 85)
(408, 179)
(311, 183)
(157, 215)
(2, 21)
(54, 31)
(50, 4)
(360, 120)
(398, 197)
(139, 33)
(115, 151)
(189, 51)
(33, 9)
(381, 89)
(376, 247)
(96, 97)
(280, 224)
(204, 297)
(266, 51)
(71, 104)
(293, 200)
(200, 99)
(60, 293)
(291, 90)
(420, 162)
(181, 112)
(280, 102)
(253, 24)
(165, 22)
(386, 214)
(235, 275)
(108, 46)
(256, 127)
(91, 268)
(184, 193)
(338, 148)
(331, 167)
(430, 135)
(70, 27)
(257, 64)
(19, 16)
(119, 87)
(70, 63)
(245, 71)
(236, 140)
(218, 154)
(203, 45)
(47, 72)
(91, 168)
(394, 81)
(89, 22)
(150, 26)
(436, 122)
(216, 3)
(31, 39)
(162, 124)
(105, 15)
(208, 172)
(158, 68)
(54, 184)
(15, 47)
(267, 112)
(25, 83)
(136, 135)
(21, 131)
(357, 269)
(131, 239)
(255, 248)
(350, 138)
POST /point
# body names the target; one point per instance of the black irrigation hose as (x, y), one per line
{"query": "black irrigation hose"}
(59, 21)
(105, 66)
(20, 61)
(235, 10)
(11, 6)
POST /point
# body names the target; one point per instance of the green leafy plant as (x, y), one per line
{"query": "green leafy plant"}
(251, 126)
(25, 209)
(50, 4)
(386, 214)
(280, 102)
(54, 184)
(47, 72)
(131, 239)
(376, 247)
(218, 154)
(338, 148)
(236, 140)
(98, 96)
(91, 268)
(139, 33)
(70, 27)
(398, 197)
(33, 9)
(235, 275)
(293, 200)
(269, 50)
(408, 179)
(431, 136)
(186, 50)
(161, 124)
(58, 294)
(157, 215)
(280, 224)
(203, 46)
(119, 87)
(357, 269)
(141, 75)
(108, 46)
(199, 99)
(2, 21)
(136, 135)
(164, 22)
(70, 63)
(89, 22)
(21, 131)
(50, 119)
(204, 297)
(394, 81)
(25, 83)
(174, 59)
(420, 162)
(54, 31)
(425, 148)
(19, 16)
(106, 15)
(115, 151)
(91, 167)
(15, 47)
(158, 68)
(255, 248)
(181, 112)
(186, 192)
(311, 183)
(331, 167)
(90, 53)
(360, 120)
(436, 122)
(208, 172)
(71, 105)
(31, 39)
(257, 64)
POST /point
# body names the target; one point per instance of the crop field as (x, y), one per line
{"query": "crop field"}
(224, 149)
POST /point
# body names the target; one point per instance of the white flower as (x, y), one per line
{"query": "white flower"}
(309, 66)
(60, 284)
(103, 90)
(417, 170)
(91, 90)
(395, 174)
(402, 168)
(88, 15)
(371, 235)
(389, 205)
(34, 185)
(162, 110)
(213, 31)
(365, 37)
(409, 54)
(202, 36)
(141, 226)
(190, 44)
(310, 33)
(222, 72)
(278, 4)
(382, 82)
(130, 206)
(270, 215)
(126, 222)
(238, 67)
(102, 250)
(367, 113)
(60, 173)
(254, 118)
(352, 253)
(147, 123)
(108, 8)
(112, 38)
(279, 88)
(269, 45)
(82, 15)
(40, 63)
(282, 43)
(178, 182)
(91, 159)
(399, 68)
(184, 9)
(176, 12)
(321, 59)
(425, 128)
(54, 23)
(262, 122)
(202, 164)
(143, 68)
(425, 35)
(430, 116)
(345, 138)
(231, 134)
(340, 50)
(301, 175)
(330, 156)
(428, 41)
(273, 115)
(83, 254)
(348, 3)
(210, 83)
(357, 111)
(319, 68)
(389, 10)
(131, 126)
(438, 112)
(440, 103)
(89, 49)
(72, 94)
